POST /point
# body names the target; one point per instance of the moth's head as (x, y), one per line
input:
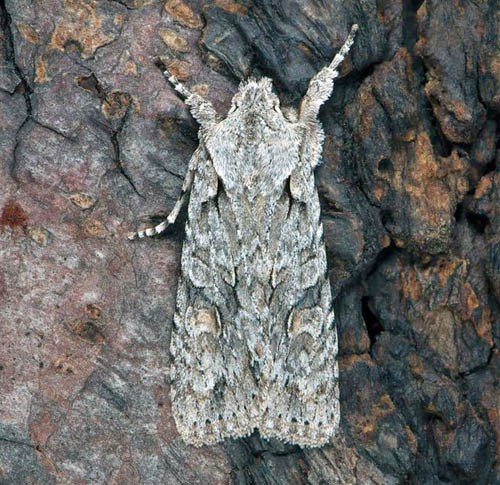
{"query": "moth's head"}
(256, 97)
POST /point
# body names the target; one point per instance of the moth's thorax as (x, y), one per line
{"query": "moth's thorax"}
(254, 151)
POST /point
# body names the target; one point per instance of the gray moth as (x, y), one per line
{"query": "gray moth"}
(254, 342)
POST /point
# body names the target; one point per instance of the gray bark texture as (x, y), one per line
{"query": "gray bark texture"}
(93, 140)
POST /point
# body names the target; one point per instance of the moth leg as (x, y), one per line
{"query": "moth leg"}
(321, 85)
(171, 218)
(201, 109)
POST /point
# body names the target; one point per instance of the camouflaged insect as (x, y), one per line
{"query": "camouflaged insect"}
(254, 342)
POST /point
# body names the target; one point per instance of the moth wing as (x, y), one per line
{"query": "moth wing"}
(302, 394)
(213, 392)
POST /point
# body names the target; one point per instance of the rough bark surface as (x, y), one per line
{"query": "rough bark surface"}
(92, 138)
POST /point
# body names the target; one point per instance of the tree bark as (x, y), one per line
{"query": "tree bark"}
(93, 139)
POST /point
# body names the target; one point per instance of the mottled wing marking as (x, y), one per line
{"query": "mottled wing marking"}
(254, 343)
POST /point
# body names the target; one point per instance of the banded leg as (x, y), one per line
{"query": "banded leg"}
(178, 86)
(201, 109)
(321, 85)
(171, 218)
(206, 116)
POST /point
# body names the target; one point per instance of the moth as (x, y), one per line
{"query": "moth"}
(254, 342)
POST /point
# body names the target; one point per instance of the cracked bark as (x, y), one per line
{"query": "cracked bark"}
(92, 137)
(116, 145)
(23, 87)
